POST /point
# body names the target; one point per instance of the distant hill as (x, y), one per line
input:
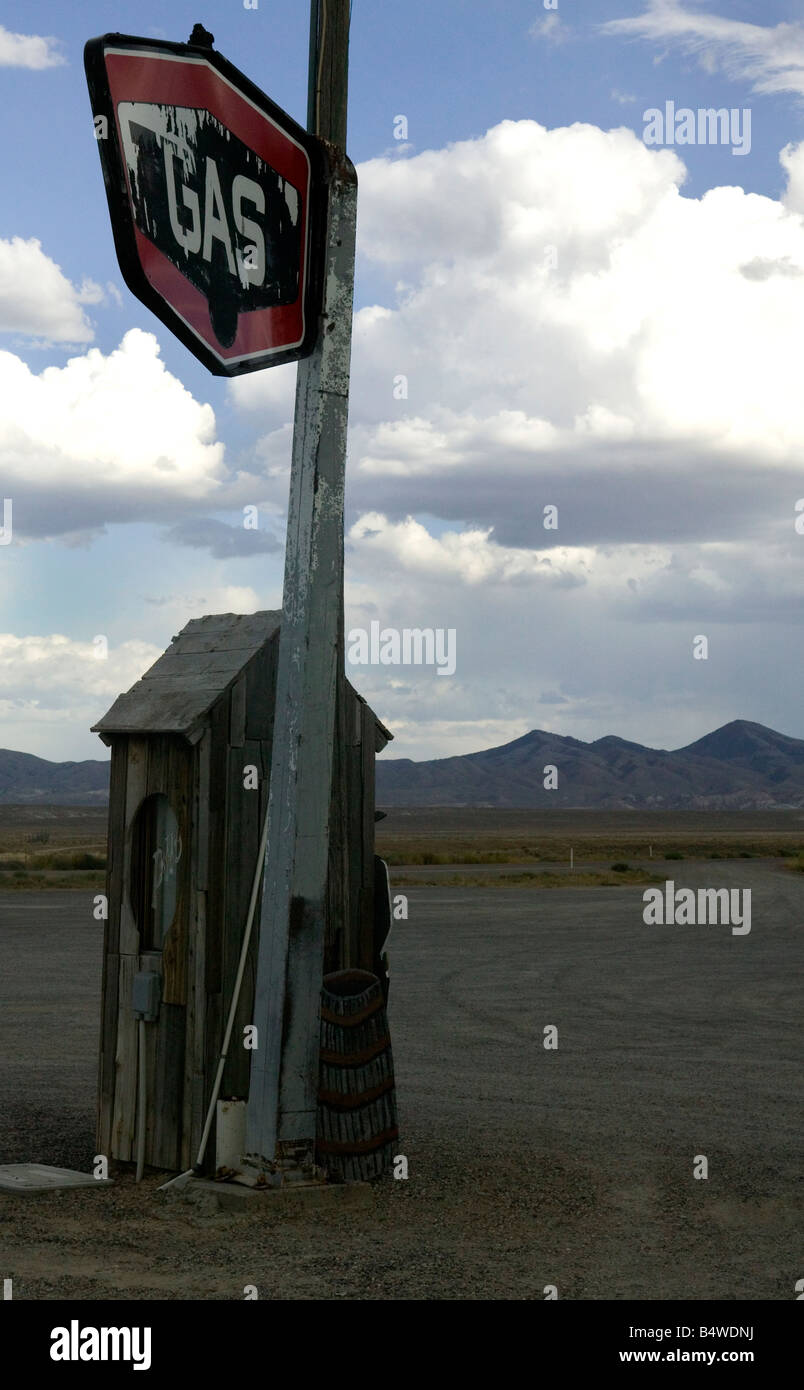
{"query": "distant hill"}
(26, 780)
(742, 766)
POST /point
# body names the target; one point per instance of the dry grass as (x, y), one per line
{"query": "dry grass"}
(487, 849)
(65, 860)
(37, 831)
(52, 847)
(34, 881)
(458, 852)
(537, 879)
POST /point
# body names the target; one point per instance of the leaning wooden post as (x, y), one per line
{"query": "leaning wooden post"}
(282, 1104)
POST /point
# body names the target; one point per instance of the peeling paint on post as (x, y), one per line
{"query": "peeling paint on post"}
(281, 1117)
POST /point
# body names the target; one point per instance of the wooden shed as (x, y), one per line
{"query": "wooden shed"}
(191, 760)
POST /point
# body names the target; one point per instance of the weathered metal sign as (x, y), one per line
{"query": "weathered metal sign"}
(216, 197)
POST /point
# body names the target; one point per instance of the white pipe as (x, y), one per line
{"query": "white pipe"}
(183, 1178)
(140, 1099)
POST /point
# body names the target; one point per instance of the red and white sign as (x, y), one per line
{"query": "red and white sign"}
(216, 198)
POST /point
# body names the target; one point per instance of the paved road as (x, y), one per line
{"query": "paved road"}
(50, 981)
(527, 1166)
(669, 1036)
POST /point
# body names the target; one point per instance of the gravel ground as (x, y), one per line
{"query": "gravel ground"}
(527, 1167)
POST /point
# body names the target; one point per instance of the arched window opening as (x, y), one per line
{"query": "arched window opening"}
(156, 849)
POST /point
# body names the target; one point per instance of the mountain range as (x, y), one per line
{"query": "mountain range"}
(742, 766)
(27, 780)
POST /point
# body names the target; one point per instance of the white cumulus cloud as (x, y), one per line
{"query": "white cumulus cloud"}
(37, 299)
(54, 687)
(104, 437)
(570, 329)
(28, 51)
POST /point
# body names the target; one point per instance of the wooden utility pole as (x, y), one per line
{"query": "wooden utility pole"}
(328, 85)
(281, 1114)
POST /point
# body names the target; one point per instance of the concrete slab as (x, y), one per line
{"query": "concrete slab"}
(25, 1179)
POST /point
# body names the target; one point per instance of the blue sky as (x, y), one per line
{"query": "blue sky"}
(645, 385)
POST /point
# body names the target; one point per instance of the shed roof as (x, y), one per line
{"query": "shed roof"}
(178, 691)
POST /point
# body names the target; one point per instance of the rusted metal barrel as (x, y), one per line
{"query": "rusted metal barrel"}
(357, 1124)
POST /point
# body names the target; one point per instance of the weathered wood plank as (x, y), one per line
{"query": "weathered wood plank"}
(165, 1151)
(179, 772)
(237, 714)
(125, 1090)
(194, 1099)
(217, 829)
(136, 788)
(261, 692)
(237, 803)
(337, 944)
(220, 641)
(235, 626)
(222, 664)
(353, 813)
(241, 859)
(152, 1031)
(366, 961)
(107, 1068)
(201, 814)
(115, 844)
(215, 1022)
(111, 941)
(162, 706)
(341, 791)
